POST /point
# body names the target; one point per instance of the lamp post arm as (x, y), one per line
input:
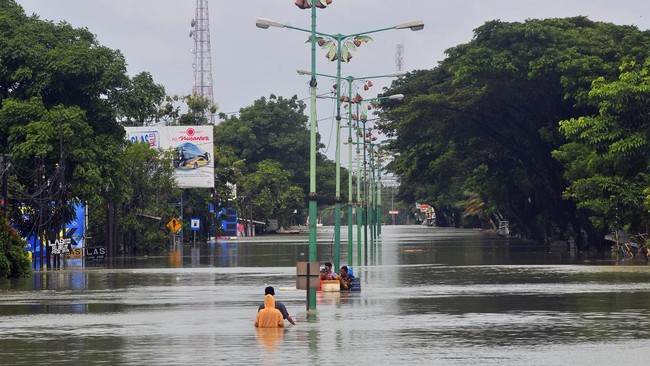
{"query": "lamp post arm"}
(351, 79)
(265, 23)
(345, 36)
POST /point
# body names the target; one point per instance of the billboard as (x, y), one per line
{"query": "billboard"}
(73, 235)
(192, 145)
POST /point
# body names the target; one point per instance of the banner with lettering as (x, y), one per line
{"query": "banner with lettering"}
(192, 146)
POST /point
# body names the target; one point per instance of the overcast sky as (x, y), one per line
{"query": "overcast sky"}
(248, 62)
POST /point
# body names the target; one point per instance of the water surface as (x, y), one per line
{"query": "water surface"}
(429, 296)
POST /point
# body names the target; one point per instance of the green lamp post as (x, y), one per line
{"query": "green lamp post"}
(350, 99)
(339, 48)
(363, 132)
(313, 208)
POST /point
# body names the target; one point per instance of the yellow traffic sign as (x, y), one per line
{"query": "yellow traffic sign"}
(174, 225)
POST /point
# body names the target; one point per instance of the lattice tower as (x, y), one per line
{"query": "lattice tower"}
(399, 57)
(200, 32)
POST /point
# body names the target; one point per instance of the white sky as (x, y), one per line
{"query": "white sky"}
(248, 62)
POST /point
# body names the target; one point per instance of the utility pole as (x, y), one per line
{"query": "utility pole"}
(5, 163)
(40, 179)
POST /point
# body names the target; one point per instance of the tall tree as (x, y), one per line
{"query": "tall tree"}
(271, 194)
(276, 129)
(151, 192)
(142, 101)
(273, 128)
(485, 121)
(607, 157)
(61, 93)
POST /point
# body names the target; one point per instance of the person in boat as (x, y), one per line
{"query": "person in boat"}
(330, 271)
(345, 278)
(269, 290)
(269, 317)
(324, 274)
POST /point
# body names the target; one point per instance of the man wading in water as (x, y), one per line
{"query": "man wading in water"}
(278, 305)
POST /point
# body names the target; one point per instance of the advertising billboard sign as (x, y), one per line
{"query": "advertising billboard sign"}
(192, 146)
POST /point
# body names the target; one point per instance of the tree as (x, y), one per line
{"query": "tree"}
(271, 194)
(197, 109)
(141, 102)
(61, 94)
(485, 121)
(14, 261)
(150, 195)
(607, 158)
(276, 129)
(273, 128)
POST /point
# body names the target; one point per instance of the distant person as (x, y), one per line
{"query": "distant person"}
(345, 278)
(330, 270)
(269, 317)
(325, 275)
(278, 305)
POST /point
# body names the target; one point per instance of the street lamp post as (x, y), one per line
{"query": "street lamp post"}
(361, 132)
(350, 82)
(339, 47)
(379, 154)
(376, 149)
(313, 208)
(340, 56)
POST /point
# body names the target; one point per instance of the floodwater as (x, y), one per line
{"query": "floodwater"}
(430, 296)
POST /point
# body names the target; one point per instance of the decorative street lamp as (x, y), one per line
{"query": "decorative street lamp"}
(378, 154)
(339, 48)
(351, 80)
(361, 118)
(313, 209)
(341, 53)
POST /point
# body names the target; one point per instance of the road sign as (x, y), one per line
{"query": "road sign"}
(195, 224)
(393, 212)
(174, 225)
(307, 275)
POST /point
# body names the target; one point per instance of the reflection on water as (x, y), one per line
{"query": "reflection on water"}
(430, 296)
(270, 338)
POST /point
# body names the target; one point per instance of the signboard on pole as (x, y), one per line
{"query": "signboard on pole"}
(307, 271)
(195, 224)
(95, 254)
(60, 246)
(192, 145)
(174, 225)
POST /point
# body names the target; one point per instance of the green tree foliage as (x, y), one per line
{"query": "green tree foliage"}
(197, 111)
(484, 122)
(14, 261)
(150, 193)
(36, 135)
(57, 89)
(142, 101)
(274, 129)
(271, 194)
(60, 65)
(61, 96)
(607, 158)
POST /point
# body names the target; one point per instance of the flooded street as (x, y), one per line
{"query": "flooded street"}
(429, 296)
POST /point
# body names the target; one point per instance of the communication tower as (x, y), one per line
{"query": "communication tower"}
(200, 32)
(399, 57)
